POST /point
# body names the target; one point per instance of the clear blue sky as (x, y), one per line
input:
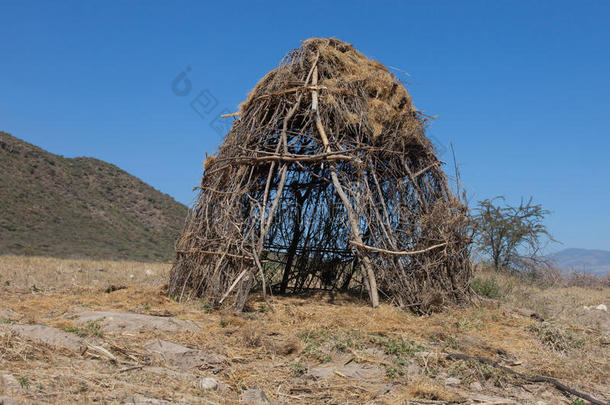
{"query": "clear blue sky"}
(522, 89)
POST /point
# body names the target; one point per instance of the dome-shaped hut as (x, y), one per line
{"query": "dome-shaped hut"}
(326, 180)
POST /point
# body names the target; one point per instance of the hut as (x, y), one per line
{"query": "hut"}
(326, 180)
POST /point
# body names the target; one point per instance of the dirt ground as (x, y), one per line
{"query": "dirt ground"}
(87, 331)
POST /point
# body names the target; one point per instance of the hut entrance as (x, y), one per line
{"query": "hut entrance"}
(326, 180)
(308, 242)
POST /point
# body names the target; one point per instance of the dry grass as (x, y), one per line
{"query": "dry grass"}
(551, 302)
(275, 351)
(45, 273)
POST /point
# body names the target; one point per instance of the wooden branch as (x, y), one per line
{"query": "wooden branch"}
(560, 386)
(291, 90)
(235, 114)
(351, 216)
(393, 252)
(264, 226)
(294, 158)
(420, 172)
(264, 286)
(100, 350)
(420, 195)
(210, 252)
(226, 294)
(312, 147)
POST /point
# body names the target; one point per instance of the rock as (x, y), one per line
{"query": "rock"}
(168, 372)
(7, 313)
(223, 388)
(149, 272)
(179, 356)
(142, 400)
(375, 352)
(207, 383)
(540, 403)
(495, 400)
(475, 386)
(4, 400)
(9, 384)
(253, 396)
(49, 336)
(130, 322)
(413, 369)
(453, 382)
(602, 307)
(350, 370)
(384, 390)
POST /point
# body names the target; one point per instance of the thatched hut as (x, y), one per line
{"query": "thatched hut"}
(326, 180)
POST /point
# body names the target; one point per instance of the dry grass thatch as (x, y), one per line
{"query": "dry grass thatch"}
(326, 180)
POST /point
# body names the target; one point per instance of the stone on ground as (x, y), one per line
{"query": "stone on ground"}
(181, 357)
(207, 384)
(7, 313)
(350, 370)
(475, 386)
(452, 381)
(4, 400)
(142, 400)
(9, 384)
(254, 396)
(489, 399)
(210, 383)
(49, 336)
(129, 322)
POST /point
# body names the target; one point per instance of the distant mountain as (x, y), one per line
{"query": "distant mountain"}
(587, 260)
(81, 207)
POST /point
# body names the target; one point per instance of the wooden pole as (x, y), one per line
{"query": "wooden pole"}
(351, 216)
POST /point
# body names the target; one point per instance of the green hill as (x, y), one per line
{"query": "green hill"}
(81, 207)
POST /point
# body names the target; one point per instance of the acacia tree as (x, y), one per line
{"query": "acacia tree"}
(511, 236)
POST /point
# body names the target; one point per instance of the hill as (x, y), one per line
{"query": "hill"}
(587, 260)
(80, 207)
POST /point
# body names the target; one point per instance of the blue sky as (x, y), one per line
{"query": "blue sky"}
(520, 88)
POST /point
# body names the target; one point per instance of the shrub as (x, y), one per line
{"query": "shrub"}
(487, 287)
(556, 337)
(587, 280)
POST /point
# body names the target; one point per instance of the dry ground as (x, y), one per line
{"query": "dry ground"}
(322, 348)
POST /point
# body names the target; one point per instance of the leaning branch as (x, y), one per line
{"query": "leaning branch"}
(235, 114)
(226, 294)
(394, 252)
(374, 295)
(560, 386)
(211, 252)
(293, 158)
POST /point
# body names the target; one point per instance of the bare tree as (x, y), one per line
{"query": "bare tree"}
(512, 237)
